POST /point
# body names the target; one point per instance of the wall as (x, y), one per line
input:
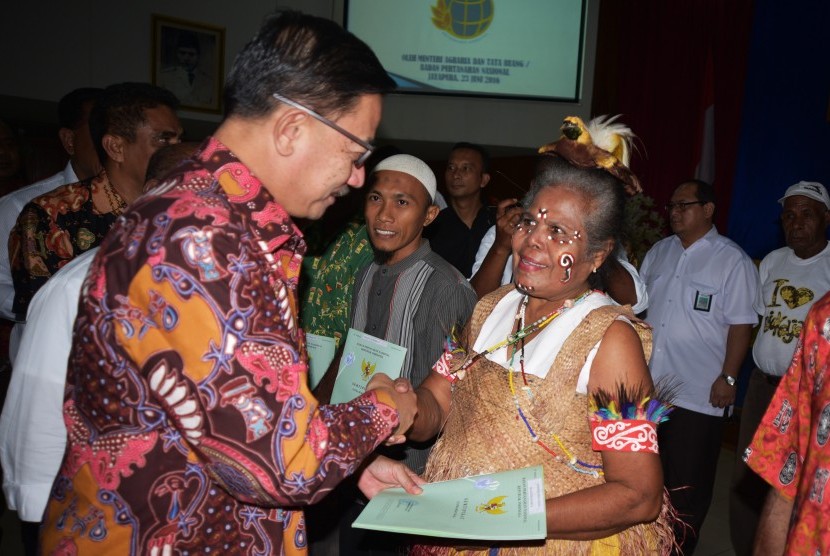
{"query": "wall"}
(96, 42)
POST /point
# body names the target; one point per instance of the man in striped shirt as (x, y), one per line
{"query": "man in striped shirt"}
(408, 295)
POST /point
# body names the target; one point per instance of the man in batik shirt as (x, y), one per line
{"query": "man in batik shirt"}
(128, 123)
(190, 424)
(790, 449)
(331, 279)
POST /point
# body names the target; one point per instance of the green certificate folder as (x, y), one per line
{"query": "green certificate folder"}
(321, 351)
(504, 506)
(363, 356)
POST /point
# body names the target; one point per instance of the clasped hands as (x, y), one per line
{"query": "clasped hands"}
(406, 401)
(382, 473)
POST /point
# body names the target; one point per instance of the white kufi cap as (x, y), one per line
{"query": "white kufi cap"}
(415, 167)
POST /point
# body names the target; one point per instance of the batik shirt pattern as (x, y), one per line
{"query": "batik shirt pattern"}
(790, 449)
(331, 278)
(189, 421)
(52, 230)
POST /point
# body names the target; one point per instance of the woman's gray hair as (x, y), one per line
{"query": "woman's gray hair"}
(605, 199)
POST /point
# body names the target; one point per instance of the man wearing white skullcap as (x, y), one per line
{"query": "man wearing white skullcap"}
(409, 295)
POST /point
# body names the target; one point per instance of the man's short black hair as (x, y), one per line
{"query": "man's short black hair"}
(485, 156)
(120, 110)
(307, 59)
(71, 106)
(705, 192)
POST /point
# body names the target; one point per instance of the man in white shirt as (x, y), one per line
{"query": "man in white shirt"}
(73, 118)
(792, 279)
(187, 79)
(32, 434)
(701, 289)
(32, 431)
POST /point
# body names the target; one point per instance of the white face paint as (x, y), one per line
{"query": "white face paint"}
(550, 257)
(566, 261)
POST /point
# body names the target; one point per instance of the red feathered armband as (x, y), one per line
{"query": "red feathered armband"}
(445, 366)
(619, 424)
(624, 435)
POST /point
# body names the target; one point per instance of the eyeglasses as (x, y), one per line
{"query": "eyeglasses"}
(683, 205)
(361, 160)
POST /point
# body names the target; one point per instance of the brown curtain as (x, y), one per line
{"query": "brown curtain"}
(660, 64)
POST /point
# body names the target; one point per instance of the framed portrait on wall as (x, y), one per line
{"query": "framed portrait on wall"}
(188, 60)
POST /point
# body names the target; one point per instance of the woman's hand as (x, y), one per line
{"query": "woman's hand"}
(508, 213)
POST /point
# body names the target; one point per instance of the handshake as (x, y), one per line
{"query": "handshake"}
(405, 399)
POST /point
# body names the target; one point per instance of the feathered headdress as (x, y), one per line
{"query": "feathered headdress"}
(602, 143)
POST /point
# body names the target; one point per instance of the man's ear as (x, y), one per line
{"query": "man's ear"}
(485, 179)
(114, 147)
(432, 213)
(67, 139)
(288, 128)
(709, 210)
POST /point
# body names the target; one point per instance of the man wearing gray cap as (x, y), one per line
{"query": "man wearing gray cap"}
(793, 278)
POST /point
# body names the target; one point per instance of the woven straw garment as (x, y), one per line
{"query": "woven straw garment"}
(483, 435)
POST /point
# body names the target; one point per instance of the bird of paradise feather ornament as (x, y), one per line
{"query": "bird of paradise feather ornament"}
(602, 143)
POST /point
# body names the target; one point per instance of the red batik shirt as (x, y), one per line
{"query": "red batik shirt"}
(790, 449)
(189, 420)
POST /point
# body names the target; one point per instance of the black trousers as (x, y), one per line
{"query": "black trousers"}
(29, 533)
(690, 444)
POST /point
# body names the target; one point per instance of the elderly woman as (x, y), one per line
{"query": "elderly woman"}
(550, 371)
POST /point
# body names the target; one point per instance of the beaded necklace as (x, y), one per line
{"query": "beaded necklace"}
(524, 331)
(570, 460)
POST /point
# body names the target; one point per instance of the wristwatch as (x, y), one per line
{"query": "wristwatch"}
(730, 380)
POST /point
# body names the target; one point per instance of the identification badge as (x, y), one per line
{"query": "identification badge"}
(703, 301)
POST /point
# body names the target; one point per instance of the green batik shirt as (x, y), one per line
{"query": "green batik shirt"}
(330, 281)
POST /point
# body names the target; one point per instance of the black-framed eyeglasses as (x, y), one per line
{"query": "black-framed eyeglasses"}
(682, 205)
(361, 160)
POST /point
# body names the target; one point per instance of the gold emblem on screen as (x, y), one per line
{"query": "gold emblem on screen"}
(463, 19)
